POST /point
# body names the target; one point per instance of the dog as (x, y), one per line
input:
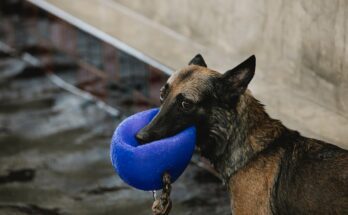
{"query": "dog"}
(267, 168)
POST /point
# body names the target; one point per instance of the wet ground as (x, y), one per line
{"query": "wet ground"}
(54, 156)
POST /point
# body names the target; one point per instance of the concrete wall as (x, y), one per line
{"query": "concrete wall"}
(300, 46)
(300, 43)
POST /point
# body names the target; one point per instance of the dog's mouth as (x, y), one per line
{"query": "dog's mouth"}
(144, 137)
(163, 125)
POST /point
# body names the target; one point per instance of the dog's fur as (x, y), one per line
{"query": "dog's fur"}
(268, 168)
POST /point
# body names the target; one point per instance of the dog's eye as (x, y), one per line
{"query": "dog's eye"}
(161, 96)
(163, 93)
(186, 105)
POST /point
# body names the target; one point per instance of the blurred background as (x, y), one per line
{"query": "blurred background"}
(70, 71)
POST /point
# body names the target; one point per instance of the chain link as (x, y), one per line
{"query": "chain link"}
(163, 205)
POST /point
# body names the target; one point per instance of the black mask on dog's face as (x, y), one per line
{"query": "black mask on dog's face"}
(190, 95)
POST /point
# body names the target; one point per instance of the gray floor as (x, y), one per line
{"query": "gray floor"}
(54, 156)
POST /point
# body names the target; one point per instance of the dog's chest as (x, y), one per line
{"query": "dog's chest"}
(251, 187)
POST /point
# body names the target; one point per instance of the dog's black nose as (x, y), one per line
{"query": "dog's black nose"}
(143, 137)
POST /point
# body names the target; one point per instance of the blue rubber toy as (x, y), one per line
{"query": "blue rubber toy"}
(142, 166)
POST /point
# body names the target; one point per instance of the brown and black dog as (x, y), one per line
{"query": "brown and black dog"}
(269, 169)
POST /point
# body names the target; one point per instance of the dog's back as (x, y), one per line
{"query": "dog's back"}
(313, 179)
(295, 175)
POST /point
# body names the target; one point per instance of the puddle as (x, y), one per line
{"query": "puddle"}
(21, 175)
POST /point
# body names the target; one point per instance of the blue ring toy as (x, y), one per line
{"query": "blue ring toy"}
(142, 166)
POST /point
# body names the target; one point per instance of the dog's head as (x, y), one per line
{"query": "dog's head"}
(191, 94)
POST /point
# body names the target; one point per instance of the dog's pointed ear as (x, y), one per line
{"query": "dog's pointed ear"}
(198, 60)
(238, 78)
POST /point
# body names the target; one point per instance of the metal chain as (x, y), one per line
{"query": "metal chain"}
(163, 205)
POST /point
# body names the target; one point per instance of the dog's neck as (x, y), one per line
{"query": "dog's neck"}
(237, 135)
